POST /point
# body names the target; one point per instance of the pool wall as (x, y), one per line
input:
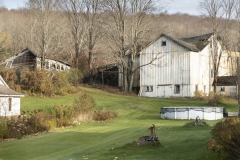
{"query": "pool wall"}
(207, 113)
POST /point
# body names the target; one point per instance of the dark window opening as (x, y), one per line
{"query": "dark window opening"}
(9, 64)
(164, 43)
(212, 73)
(9, 104)
(222, 89)
(149, 89)
(47, 65)
(176, 89)
(196, 88)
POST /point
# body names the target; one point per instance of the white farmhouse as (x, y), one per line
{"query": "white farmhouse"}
(178, 67)
(9, 100)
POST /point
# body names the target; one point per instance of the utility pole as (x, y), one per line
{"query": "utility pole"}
(238, 83)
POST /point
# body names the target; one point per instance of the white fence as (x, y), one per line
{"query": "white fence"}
(183, 112)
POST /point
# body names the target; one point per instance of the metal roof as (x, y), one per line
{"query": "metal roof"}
(195, 44)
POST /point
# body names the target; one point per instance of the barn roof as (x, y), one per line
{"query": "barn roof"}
(27, 50)
(196, 43)
(227, 81)
(199, 42)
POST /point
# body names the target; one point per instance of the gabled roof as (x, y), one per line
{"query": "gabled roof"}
(33, 53)
(194, 44)
(227, 81)
(6, 91)
(199, 42)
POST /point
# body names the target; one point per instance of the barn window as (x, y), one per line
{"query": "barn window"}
(9, 104)
(9, 64)
(212, 73)
(149, 89)
(58, 66)
(62, 68)
(222, 89)
(47, 65)
(164, 43)
(176, 89)
(196, 88)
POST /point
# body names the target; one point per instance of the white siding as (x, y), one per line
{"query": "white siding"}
(170, 68)
(4, 106)
(175, 65)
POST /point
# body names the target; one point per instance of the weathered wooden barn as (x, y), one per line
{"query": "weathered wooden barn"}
(28, 59)
(9, 100)
(178, 67)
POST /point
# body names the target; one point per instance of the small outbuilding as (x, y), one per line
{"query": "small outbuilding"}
(9, 100)
(227, 86)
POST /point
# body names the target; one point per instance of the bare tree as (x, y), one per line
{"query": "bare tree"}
(73, 9)
(218, 11)
(131, 21)
(44, 31)
(117, 9)
(92, 15)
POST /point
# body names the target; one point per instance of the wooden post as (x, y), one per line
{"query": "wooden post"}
(238, 83)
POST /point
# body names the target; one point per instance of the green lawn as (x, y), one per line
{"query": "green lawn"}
(112, 139)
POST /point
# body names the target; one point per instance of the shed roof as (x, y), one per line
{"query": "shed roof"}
(5, 91)
(227, 81)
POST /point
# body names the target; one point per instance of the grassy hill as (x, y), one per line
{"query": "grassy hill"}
(113, 139)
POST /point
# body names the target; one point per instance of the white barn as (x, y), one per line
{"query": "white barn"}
(178, 67)
(9, 100)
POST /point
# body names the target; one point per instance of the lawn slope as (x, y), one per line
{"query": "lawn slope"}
(112, 139)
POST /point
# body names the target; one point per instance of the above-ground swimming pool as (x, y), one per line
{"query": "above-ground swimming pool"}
(207, 113)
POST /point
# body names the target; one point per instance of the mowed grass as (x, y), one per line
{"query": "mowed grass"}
(112, 139)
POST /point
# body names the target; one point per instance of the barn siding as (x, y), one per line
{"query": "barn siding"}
(169, 69)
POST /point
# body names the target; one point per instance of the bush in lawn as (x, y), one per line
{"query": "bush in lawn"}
(60, 82)
(104, 115)
(84, 104)
(215, 99)
(38, 81)
(3, 128)
(75, 76)
(63, 115)
(199, 95)
(15, 127)
(225, 139)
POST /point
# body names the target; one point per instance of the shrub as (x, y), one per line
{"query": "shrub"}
(84, 104)
(10, 76)
(225, 139)
(104, 115)
(75, 76)
(215, 99)
(3, 128)
(199, 95)
(60, 82)
(63, 115)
